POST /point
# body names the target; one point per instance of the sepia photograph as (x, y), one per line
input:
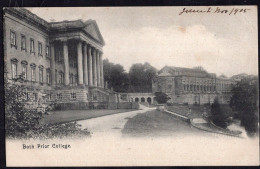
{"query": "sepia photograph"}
(131, 86)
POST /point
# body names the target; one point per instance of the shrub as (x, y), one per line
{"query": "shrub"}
(23, 123)
(161, 97)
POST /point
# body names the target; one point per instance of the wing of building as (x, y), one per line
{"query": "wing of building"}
(60, 59)
(192, 86)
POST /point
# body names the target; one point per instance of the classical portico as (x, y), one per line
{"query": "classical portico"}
(83, 47)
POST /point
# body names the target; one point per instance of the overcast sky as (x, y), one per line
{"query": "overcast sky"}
(221, 43)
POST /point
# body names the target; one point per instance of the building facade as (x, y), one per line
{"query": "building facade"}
(192, 86)
(63, 60)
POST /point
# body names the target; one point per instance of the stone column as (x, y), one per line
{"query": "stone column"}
(90, 74)
(85, 65)
(80, 67)
(66, 63)
(101, 71)
(98, 69)
(53, 81)
(94, 58)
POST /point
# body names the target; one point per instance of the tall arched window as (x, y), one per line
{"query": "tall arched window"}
(14, 68)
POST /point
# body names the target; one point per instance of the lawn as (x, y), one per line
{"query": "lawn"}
(156, 123)
(195, 111)
(75, 115)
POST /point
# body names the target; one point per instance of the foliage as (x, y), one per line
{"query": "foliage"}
(161, 97)
(200, 68)
(23, 123)
(220, 114)
(115, 76)
(141, 76)
(244, 100)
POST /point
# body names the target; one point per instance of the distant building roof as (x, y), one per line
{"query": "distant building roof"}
(180, 71)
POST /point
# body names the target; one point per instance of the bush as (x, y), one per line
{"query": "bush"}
(161, 98)
(23, 123)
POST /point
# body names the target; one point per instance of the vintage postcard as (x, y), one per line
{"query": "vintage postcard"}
(131, 86)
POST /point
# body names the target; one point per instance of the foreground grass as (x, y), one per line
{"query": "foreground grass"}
(73, 115)
(156, 123)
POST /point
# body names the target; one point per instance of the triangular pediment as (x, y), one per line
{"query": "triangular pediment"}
(92, 29)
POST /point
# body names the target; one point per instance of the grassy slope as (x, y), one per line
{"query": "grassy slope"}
(156, 123)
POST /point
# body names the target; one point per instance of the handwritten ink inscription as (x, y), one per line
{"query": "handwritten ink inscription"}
(216, 10)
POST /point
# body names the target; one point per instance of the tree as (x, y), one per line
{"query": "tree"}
(161, 97)
(220, 114)
(244, 100)
(19, 120)
(199, 68)
(141, 76)
(115, 76)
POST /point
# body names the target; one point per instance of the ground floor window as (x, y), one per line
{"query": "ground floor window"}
(61, 78)
(73, 95)
(59, 96)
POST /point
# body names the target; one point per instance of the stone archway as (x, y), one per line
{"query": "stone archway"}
(142, 99)
(149, 100)
(136, 99)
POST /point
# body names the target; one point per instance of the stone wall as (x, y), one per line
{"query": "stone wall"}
(123, 105)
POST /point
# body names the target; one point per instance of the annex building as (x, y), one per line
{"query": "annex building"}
(192, 85)
(62, 60)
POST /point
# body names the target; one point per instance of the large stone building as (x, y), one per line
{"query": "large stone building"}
(192, 86)
(60, 59)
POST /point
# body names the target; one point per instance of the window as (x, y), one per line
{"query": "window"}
(39, 48)
(33, 74)
(61, 78)
(40, 75)
(35, 96)
(32, 46)
(59, 96)
(47, 52)
(94, 97)
(73, 95)
(23, 43)
(48, 77)
(58, 56)
(14, 70)
(75, 63)
(75, 78)
(71, 78)
(56, 76)
(13, 39)
(24, 71)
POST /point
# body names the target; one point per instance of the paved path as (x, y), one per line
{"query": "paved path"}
(110, 125)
